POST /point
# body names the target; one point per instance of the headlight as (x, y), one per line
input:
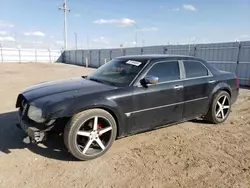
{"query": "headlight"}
(35, 114)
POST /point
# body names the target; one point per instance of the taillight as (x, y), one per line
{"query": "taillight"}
(237, 82)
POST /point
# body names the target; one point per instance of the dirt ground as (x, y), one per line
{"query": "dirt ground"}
(192, 154)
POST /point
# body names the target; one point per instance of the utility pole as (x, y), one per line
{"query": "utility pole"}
(76, 40)
(135, 28)
(136, 38)
(65, 10)
(189, 45)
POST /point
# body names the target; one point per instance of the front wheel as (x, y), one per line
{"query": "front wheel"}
(220, 108)
(89, 134)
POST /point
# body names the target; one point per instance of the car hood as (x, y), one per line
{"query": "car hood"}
(75, 85)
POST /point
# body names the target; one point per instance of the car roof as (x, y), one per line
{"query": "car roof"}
(155, 57)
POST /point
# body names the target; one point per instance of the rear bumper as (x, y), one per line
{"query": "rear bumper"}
(234, 95)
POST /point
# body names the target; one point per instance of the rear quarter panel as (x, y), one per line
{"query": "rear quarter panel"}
(227, 81)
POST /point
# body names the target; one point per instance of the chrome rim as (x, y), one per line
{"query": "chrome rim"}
(94, 136)
(222, 107)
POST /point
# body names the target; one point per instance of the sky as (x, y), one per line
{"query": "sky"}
(111, 23)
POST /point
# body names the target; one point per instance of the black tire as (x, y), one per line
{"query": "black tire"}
(211, 114)
(76, 122)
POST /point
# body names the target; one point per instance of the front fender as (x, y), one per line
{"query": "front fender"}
(69, 108)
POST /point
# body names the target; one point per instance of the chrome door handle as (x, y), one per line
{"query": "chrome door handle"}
(211, 81)
(178, 87)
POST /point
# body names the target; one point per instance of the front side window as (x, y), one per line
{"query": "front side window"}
(117, 72)
(165, 71)
(195, 69)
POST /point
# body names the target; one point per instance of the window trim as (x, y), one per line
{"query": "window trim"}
(137, 83)
(133, 82)
(210, 74)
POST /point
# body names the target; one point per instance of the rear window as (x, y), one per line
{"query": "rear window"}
(195, 69)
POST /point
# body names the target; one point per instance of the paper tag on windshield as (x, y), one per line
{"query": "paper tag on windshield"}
(136, 63)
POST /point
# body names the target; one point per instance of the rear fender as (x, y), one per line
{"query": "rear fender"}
(220, 86)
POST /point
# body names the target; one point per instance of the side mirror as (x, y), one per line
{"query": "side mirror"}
(149, 80)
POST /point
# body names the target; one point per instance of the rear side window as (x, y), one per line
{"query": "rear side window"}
(165, 71)
(195, 69)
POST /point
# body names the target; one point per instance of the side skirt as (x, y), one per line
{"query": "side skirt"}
(159, 127)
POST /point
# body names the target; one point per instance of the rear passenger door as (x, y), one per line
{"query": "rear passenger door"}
(197, 83)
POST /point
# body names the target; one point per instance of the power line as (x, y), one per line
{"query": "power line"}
(65, 10)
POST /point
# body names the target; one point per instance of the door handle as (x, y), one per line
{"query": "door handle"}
(211, 81)
(178, 87)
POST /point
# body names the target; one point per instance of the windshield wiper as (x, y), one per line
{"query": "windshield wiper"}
(96, 80)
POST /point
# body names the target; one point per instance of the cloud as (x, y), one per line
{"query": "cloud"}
(134, 43)
(52, 37)
(36, 33)
(37, 42)
(6, 24)
(244, 36)
(77, 15)
(204, 40)
(149, 29)
(189, 7)
(59, 42)
(7, 39)
(101, 40)
(120, 22)
(3, 33)
(176, 9)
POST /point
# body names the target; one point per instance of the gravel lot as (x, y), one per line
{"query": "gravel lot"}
(192, 154)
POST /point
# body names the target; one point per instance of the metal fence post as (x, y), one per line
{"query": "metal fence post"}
(194, 50)
(164, 50)
(237, 57)
(1, 50)
(99, 57)
(19, 52)
(83, 57)
(75, 57)
(49, 55)
(89, 63)
(36, 55)
(69, 60)
(63, 56)
(110, 55)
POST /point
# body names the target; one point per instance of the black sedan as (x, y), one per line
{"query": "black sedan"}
(125, 96)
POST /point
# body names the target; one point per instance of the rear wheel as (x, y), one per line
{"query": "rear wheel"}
(90, 134)
(220, 108)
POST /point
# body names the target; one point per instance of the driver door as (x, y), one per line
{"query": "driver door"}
(161, 103)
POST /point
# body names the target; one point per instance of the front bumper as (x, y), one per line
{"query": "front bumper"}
(34, 134)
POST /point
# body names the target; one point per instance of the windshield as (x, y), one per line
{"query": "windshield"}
(117, 72)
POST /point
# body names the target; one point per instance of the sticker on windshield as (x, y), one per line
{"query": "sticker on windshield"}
(136, 63)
